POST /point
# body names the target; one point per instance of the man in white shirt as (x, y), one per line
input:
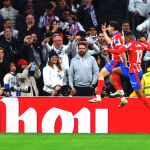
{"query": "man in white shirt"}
(139, 10)
(62, 50)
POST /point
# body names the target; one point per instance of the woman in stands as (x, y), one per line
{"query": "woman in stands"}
(53, 75)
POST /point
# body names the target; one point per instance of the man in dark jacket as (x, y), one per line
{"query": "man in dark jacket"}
(86, 15)
(11, 46)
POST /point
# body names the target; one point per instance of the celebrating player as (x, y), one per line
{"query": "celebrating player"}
(134, 71)
(117, 60)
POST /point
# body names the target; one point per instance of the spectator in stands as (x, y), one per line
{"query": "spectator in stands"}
(125, 27)
(62, 5)
(65, 17)
(10, 80)
(92, 35)
(86, 14)
(83, 72)
(104, 56)
(138, 9)
(80, 36)
(101, 39)
(53, 75)
(28, 10)
(9, 12)
(8, 24)
(3, 66)
(27, 80)
(72, 25)
(29, 28)
(48, 16)
(62, 50)
(53, 28)
(31, 51)
(21, 4)
(145, 26)
(11, 46)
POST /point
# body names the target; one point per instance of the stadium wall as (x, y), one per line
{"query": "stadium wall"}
(72, 115)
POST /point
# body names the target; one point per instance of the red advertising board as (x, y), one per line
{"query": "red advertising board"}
(72, 115)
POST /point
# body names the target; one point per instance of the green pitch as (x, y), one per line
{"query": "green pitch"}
(74, 142)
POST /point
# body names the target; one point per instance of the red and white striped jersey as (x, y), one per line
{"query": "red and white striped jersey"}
(135, 53)
(117, 41)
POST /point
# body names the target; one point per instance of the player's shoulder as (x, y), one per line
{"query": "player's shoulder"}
(128, 45)
(116, 35)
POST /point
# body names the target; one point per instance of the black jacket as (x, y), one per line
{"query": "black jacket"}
(11, 49)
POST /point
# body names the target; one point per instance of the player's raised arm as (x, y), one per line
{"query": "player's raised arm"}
(107, 38)
(145, 43)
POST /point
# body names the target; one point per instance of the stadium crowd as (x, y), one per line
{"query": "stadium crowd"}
(55, 47)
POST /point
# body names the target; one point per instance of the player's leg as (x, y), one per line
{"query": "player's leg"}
(136, 85)
(133, 94)
(116, 82)
(103, 73)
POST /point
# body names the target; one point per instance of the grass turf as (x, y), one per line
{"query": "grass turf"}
(74, 141)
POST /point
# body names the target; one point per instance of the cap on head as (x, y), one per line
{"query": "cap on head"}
(52, 53)
(22, 62)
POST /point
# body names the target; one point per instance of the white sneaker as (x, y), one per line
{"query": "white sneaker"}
(123, 102)
(118, 93)
(96, 99)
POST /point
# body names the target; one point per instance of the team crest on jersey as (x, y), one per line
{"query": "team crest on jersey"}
(117, 42)
(127, 45)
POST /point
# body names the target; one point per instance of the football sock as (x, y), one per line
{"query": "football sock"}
(117, 81)
(100, 86)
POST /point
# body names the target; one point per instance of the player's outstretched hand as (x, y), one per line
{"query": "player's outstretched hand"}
(104, 28)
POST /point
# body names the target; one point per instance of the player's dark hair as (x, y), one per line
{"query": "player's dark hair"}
(114, 24)
(129, 33)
